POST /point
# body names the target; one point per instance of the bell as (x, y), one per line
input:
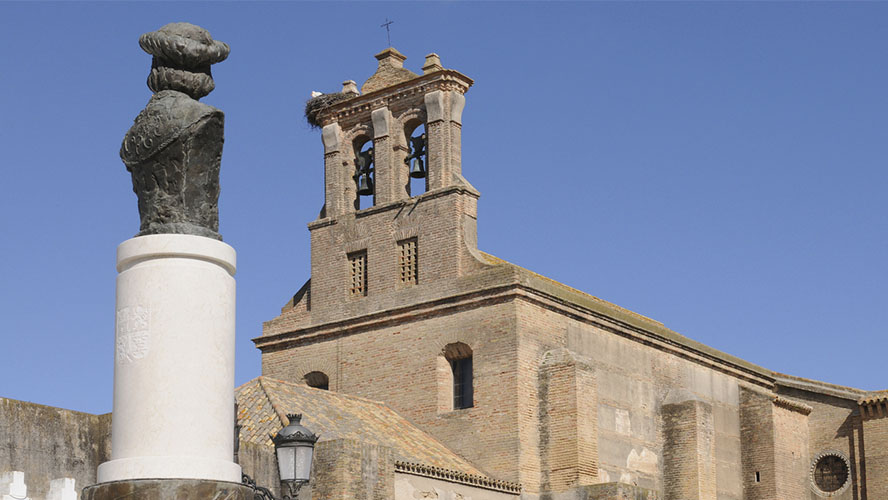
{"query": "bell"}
(365, 185)
(417, 170)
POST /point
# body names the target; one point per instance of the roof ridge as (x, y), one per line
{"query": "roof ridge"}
(494, 260)
(281, 415)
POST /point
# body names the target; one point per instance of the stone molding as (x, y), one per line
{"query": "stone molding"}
(818, 387)
(791, 405)
(355, 109)
(457, 477)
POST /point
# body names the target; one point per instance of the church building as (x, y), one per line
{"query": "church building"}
(532, 382)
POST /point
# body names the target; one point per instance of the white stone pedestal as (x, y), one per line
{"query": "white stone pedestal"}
(174, 361)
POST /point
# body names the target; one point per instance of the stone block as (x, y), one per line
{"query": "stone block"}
(12, 486)
(62, 489)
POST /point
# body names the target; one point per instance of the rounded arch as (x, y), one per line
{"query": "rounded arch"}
(456, 377)
(327, 367)
(410, 123)
(317, 379)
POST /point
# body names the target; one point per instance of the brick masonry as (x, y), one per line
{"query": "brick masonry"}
(570, 392)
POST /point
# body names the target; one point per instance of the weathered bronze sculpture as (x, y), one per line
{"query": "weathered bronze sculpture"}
(174, 148)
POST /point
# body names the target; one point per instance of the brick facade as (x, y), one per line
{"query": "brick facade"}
(572, 395)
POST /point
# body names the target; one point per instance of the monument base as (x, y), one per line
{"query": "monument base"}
(167, 489)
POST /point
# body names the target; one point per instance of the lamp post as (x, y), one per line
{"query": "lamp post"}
(294, 448)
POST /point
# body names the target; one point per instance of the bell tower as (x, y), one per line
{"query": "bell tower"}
(398, 213)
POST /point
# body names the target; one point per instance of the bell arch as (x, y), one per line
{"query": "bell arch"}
(413, 152)
(364, 170)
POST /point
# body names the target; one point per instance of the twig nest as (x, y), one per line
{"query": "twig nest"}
(183, 54)
(317, 104)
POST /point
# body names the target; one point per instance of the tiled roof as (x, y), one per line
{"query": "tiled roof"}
(264, 402)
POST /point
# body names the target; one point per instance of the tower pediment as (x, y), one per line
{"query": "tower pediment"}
(390, 71)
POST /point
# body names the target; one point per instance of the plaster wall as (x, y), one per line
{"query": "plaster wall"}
(48, 443)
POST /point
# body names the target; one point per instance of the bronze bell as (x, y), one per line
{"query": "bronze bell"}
(417, 170)
(365, 185)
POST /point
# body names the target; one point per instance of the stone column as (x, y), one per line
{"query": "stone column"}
(391, 177)
(174, 360)
(438, 132)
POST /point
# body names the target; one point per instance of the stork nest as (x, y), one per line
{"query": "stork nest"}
(315, 105)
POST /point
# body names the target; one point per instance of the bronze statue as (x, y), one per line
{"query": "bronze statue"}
(174, 148)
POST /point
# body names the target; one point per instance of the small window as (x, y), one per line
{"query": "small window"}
(459, 357)
(318, 380)
(358, 267)
(408, 261)
(462, 383)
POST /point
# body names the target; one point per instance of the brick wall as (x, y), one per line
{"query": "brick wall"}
(350, 470)
(833, 425)
(791, 455)
(688, 451)
(757, 436)
(875, 439)
(398, 364)
(568, 435)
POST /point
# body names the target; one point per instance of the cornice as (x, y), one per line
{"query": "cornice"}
(505, 291)
(457, 477)
(791, 405)
(445, 79)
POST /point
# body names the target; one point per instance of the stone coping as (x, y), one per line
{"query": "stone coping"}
(818, 387)
(457, 477)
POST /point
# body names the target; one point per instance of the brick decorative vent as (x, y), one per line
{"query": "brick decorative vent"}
(358, 265)
(407, 261)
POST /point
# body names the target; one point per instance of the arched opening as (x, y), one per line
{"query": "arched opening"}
(456, 377)
(365, 172)
(318, 380)
(417, 159)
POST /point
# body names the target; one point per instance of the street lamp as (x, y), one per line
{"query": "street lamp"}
(294, 447)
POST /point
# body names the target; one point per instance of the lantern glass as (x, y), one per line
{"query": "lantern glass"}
(303, 456)
(286, 456)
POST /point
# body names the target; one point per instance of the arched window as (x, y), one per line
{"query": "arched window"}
(417, 158)
(318, 380)
(365, 172)
(459, 359)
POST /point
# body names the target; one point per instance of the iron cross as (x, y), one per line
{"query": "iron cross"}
(388, 35)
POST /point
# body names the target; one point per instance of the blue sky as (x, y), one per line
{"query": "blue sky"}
(719, 167)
